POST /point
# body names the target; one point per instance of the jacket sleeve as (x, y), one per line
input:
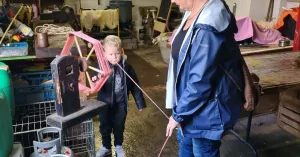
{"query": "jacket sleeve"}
(203, 65)
(135, 91)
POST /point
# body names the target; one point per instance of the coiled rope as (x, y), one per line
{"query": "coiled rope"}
(52, 29)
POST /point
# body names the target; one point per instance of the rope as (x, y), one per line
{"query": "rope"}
(52, 29)
(163, 147)
(144, 92)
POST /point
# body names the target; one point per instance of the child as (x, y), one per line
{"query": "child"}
(115, 93)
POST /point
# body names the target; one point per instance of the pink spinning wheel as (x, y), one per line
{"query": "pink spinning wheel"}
(103, 69)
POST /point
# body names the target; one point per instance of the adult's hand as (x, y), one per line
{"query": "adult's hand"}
(171, 126)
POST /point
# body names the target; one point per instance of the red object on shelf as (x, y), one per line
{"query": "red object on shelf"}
(296, 46)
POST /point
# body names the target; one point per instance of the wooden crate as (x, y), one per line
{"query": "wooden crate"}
(289, 111)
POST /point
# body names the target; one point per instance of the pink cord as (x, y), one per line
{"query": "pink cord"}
(163, 147)
(145, 93)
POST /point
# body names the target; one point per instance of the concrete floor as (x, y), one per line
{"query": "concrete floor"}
(145, 131)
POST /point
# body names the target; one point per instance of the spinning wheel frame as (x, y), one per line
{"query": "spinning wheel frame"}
(104, 69)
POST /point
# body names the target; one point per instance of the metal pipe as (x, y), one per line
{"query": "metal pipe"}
(250, 115)
(243, 141)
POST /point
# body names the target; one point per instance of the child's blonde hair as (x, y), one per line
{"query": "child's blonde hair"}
(112, 40)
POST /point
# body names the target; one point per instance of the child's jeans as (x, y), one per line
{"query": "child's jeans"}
(112, 120)
(197, 147)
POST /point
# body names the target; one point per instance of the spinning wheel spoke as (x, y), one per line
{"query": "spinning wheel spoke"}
(89, 78)
(96, 70)
(89, 55)
(78, 47)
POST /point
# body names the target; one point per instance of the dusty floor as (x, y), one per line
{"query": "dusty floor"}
(145, 130)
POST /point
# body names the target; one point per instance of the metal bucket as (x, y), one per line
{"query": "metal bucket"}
(42, 40)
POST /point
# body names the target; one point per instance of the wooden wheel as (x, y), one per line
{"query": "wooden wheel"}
(83, 61)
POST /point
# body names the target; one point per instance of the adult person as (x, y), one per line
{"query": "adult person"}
(205, 101)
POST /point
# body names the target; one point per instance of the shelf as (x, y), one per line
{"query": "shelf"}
(17, 58)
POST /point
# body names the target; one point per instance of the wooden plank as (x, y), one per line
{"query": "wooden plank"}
(290, 107)
(275, 69)
(289, 99)
(290, 102)
(292, 123)
(159, 26)
(289, 129)
(260, 49)
(289, 113)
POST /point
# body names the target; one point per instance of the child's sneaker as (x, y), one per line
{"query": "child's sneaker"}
(103, 152)
(120, 151)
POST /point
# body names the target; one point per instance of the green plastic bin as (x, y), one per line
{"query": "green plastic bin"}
(6, 133)
(6, 86)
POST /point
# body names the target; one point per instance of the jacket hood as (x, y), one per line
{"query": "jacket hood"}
(124, 58)
(216, 16)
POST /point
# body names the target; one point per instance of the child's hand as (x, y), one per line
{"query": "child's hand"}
(94, 78)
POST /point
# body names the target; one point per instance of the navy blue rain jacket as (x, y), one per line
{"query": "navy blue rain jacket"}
(205, 101)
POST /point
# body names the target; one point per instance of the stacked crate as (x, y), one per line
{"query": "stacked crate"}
(289, 111)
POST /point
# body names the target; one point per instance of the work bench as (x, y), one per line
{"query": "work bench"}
(278, 71)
